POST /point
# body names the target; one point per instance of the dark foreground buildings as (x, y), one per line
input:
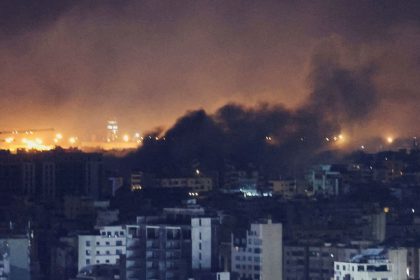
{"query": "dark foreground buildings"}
(52, 174)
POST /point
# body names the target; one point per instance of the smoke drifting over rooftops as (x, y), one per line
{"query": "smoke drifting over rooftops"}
(272, 137)
(73, 65)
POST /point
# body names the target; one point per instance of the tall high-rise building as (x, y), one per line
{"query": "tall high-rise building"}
(52, 174)
(259, 254)
(112, 131)
(204, 237)
(176, 245)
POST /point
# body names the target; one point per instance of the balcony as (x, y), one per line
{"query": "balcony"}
(151, 244)
(134, 273)
(132, 255)
(152, 256)
(152, 265)
(172, 255)
(173, 245)
(133, 264)
(133, 243)
(152, 275)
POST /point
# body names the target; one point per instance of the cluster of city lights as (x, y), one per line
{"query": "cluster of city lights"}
(114, 140)
(268, 138)
(336, 138)
(193, 194)
(136, 188)
(36, 144)
(340, 140)
(26, 140)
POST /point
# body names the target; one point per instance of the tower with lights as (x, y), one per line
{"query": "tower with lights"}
(112, 131)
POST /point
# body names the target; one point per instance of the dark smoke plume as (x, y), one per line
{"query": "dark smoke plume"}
(75, 64)
(269, 137)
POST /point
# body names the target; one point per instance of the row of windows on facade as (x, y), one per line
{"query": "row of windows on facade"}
(195, 187)
(97, 261)
(109, 233)
(256, 267)
(107, 243)
(185, 181)
(154, 233)
(117, 252)
(311, 270)
(311, 254)
(368, 268)
(338, 278)
(255, 241)
(249, 276)
(256, 250)
(244, 258)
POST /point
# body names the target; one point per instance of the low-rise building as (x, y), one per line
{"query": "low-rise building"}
(15, 258)
(373, 264)
(325, 180)
(105, 248)
(196, 184)
(286, 188)
(302, 262)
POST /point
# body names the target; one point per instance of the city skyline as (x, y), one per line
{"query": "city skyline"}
(209, 140)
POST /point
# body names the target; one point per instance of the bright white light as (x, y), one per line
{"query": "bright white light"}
(72, 140)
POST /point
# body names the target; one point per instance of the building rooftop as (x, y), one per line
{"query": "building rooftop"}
(370, 255)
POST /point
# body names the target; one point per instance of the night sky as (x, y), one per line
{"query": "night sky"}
(73, 65)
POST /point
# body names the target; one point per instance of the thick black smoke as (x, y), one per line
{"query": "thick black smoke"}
(272, 138)
(74, 64)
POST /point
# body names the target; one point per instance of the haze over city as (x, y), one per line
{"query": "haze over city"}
(209, 140)
(74, 65)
